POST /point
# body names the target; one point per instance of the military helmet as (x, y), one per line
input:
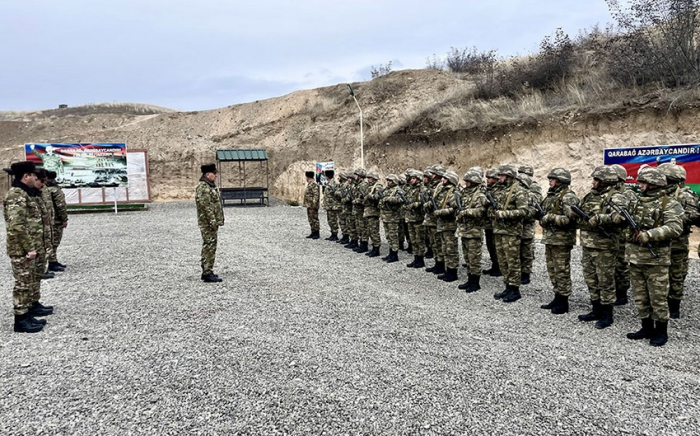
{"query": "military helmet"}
(341, 175)
(674, 173)
(408, 171)
(507, 170)
(372, 175)
(652, 176)
(478, 170)
(360, 172)
(402, 179)
(621, 171)
(473, 177)
(561, 174)
(605, 174)
(524, 179)
(417, 174)
(393, 178)
(439, 170)
(526, 169)
(492, 173)
(451, 176)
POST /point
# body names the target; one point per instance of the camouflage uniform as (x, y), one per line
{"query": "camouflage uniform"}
(50, 225)
(622, 268)
(512, 201)
(390, 207)
(210, 216)
(47, 246)
(430, 220)
(58, 204)
(447, 225)
(660, 218)
(348, 198)
(371, 210)
(559, 238)
(527, 239)
(358, 209)
(332, 206)
(311, 202)
(403, 229)
(413, 213)
(495, 270)
(470, 222)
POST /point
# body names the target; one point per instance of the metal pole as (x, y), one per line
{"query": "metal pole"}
(362, 136)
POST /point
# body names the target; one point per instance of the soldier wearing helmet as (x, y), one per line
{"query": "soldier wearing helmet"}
(622, 269)
(358, 210)
(470, 222)
(446, 225)
(434, 186)
(403, 230)
(527, 239)
(371, 214)
(559, 237)
(512, 201)
(491, 188)
(413, 214)
(311, 203)
(599, 240)
(390, 207)
(680, 247)
(348, 193)
(342, 217)
(331, 204)
(648, 251)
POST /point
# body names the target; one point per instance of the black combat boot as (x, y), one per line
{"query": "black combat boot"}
(311, 235)
(393, 256)
(344, 240)
(316, 234)
(513, 295)
(352, 244)
(606, 316)
(594, 314)
(659, 336)
(401, 246)
(466, 284)
(24, 324)
(413, 262)
(438, 268)
(409, 249)
(496, 271)
(56, 267)
(674, 308)
(420, 263)
(620, 297)
(211, 278)
(332, 237)
(385, 258)
(38, 309)
(429, 253)
(551, 304)
(374, 252)
(561, 306)
(525, 278)
(474, 285)
(449, 276)
(48, 275)
(503, 293)
(363, 248)
(645, 332)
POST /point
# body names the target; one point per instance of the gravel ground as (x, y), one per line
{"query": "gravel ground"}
(307, 337)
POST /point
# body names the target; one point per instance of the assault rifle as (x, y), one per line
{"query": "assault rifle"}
(632, 223)
(493, 204)
(402, 197)
(584, 216)
(458, 200)
(541, 214)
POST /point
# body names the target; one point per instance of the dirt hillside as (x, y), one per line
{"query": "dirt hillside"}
(400, 124)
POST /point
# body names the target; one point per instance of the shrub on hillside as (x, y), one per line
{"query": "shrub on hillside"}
(381, 70)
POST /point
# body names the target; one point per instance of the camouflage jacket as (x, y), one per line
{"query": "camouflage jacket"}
(432, 191)
(347, 190)
(332, 195)
(358, 202)
(413, 211)
(312, 195)
(210, 213)
(662, 218)
(533, 197)
(689, 202)
(447, 208)
(390, 204)
(512, 200)
(58, 200)
(23, 220)
(558, 204)
(489, 189)
(46, 217)
(371, 199)
(535, 189)
(471, 220)
(606, 235)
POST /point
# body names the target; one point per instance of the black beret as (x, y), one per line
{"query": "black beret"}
(19, 169)
(51, 175)
(41, 174)
(330, 173)
(310, 174)
(7, 170)
(208, 168)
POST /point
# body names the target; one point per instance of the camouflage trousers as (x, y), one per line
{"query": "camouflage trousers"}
(431, 232)
(416, 236)
(24, 273)
(209, 239)
(40, 268)
(312, 215)
(508, 249)
(622, 269)
(599, 274)
(403, 232)
(471, 250)
(360, 225)
(391, 231)
(332, 218)
(350, 225)
(677, 273)
(372, 227)
(650, 286)
(450, 247)
(527, 254)
(491, 246)
(559, 267)
(57, 236)
(342, 222)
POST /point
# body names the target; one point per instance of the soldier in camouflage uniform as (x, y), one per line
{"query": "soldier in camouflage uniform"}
(559, 237)
(622, 268)
(470, 221)
(358, 209)
(58, 203)
(348, 199)
(403, 233)
(312, 197)
(210, 216)
(492, 186)
(427, 189)
(660, 218)
(447, 225)
(390, 207)
(527, 239)
(430, 219)
(47, 218)
(342, 217)
(371, 212)
(512, 202)
(414, 218)
(599, 238)
(25, 242)
(331, 204)
(680, 247)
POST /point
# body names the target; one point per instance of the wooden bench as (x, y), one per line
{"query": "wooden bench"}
(242, 195)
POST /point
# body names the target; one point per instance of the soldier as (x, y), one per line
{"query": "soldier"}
(491, 187)
(622, 268)
(534, 187)
(58, 203)
(348, 200)
(527, 239)
(599, 238)
(414, 218)
(342, 217)
(358, 209)
(390, 207)
(660, 219)
(371, 212)
(559, 237)
(25, 241)
(512, 202)
(470, 227)
(403, 234)
(446, 224)
(47, 218)
(430, 219)
(311, 202)
(680, 247)
(210, 216)
(331, 204)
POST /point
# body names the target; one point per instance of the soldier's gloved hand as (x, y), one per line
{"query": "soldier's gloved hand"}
(462, 214)
(571, 214)
(416, 205)
(442, 212)
(560, 220)
(594, 221)
(642, 238)
(617, 218)
(502, 214)
(547, 219)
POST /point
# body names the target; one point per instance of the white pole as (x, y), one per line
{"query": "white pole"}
(362, 136)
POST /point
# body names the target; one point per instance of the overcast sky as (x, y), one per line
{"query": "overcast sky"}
(205, 54)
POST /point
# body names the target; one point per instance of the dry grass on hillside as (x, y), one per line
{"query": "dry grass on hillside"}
(88, 109)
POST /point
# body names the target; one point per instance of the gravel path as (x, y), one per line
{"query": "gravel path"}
(306, 337)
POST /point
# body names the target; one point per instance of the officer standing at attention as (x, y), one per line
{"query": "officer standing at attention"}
(371, 214)
(622, 268)
(331, 204)
(660, 218)
(312, 197)
(390, 208)
(470, 223)
(447, 224)
(492, 186)
(358, 210)
(414, 218)
(25, 241)
(210, 216)
(58, 203)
